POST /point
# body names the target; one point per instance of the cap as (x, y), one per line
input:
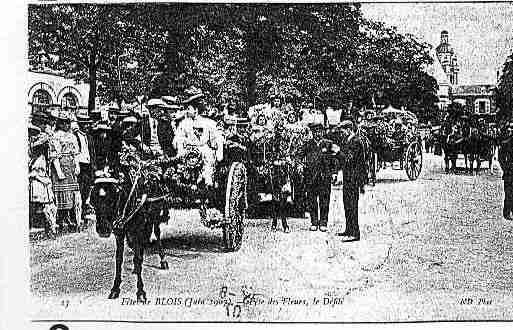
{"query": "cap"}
(130, 119)
(171, 100)
(236, 120)
(192, 93)
(315, 125)
(102, 126)
(83, 118)
(346, 124)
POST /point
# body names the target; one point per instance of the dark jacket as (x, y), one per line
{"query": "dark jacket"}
(320, 163)
(506, 158)
(352, 162)
(107, 145)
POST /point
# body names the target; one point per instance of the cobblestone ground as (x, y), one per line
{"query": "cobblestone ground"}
(432, 249)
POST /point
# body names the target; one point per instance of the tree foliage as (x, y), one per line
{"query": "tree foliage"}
(504, 92)
(327, 54)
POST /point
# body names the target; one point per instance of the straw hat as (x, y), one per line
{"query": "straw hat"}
(192, 93)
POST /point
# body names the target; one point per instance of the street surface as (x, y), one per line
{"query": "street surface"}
(432, 249)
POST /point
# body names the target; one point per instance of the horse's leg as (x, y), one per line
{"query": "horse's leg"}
(275, 207)
(138, 260)
(120, 246)
(283, 214)
(162, 255)
(446, 159)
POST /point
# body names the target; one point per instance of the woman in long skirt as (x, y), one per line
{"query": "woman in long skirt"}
(65, 168)
(41, 197)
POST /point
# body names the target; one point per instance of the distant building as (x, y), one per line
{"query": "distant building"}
(444, 85)
(447, 58)
(47, 89)
(475, 98)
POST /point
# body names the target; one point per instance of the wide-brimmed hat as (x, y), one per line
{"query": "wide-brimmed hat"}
(155, 103)
(113, 108)
(41, 116)
(236, 120)
(315, 125)
(170, 100)
(129, 120)
(95, 115)
(102, 127)
(84, 118)
(61, 115)
(159, 103)
(346, 124)
(33, 129)
(192, 94)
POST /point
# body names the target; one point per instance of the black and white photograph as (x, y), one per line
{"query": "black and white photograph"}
(267, 162)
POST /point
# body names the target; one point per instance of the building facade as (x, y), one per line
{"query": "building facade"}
(476, 99)
(47, 89)
(447, 58)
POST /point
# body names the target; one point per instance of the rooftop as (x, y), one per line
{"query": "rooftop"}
(473, 89)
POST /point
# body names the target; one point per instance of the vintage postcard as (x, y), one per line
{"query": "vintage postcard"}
(267, 162)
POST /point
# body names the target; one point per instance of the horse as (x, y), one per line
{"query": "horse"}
(480, 148)
(128, 206)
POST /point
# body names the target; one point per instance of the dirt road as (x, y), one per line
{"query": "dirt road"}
(432, 249)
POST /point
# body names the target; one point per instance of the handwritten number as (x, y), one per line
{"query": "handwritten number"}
(224, 290)
(236, 310)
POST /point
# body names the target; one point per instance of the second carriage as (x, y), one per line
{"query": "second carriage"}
(392, 137)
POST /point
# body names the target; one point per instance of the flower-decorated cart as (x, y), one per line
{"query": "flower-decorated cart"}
(393, 137)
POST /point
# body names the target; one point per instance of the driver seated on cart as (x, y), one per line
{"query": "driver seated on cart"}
(398, 132)
(201, 133)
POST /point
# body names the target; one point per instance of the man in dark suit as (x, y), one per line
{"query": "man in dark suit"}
(320, 165)
(351, 158)
(506, 161)
(114, 138)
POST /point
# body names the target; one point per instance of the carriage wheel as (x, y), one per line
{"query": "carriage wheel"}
(373, 167)
(413, 160)
(235, 207)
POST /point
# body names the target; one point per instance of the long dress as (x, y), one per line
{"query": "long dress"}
(41, 196)
(64, 148)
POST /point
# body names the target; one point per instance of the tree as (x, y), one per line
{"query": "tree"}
(326, 53)
(87, 42)
(504, 91)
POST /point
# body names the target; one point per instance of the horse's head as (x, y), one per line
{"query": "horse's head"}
(105, 198)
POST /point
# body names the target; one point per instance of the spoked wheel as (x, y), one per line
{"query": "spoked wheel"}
(413, 160)
(235, 207)
(373, 167)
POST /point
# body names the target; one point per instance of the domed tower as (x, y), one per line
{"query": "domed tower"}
(447, 58)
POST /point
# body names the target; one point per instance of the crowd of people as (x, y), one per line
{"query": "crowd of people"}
(68, 150)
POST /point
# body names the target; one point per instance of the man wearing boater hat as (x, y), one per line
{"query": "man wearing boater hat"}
(352, 162)
(506, 162)
(163, 113)
(115, 136)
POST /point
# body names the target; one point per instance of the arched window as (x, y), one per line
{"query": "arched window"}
(69, 102)
(482, 105)
(41, 100)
